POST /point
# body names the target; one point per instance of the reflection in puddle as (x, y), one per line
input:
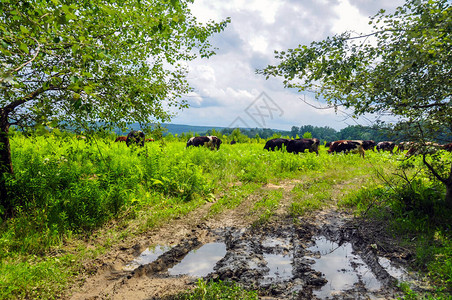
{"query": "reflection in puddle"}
(200, 262)
(146, 257)
(280, 266)
(341, 267)
(398, 273)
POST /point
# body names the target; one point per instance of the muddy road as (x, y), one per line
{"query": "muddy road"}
(324, 255)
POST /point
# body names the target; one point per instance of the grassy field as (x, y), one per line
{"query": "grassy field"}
(64, 189)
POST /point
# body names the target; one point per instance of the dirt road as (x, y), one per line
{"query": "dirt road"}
(326, 254)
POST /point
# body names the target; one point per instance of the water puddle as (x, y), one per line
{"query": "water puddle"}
(146, 257)
(200, 262)
(398, 273)
(341, 268)
(280, 267)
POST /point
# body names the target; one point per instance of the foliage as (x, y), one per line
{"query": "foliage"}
(73, 63)
(401, 69)
(90, 60)
(213, 290)
(414, 206)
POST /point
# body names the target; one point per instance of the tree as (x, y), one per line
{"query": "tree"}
(294, 131)
(76, 63)
(403, 68)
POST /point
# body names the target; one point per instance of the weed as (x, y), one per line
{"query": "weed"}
(211, 290)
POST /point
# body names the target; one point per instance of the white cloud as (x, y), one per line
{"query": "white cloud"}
(226, 84)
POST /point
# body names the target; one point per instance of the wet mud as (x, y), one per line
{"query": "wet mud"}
(299, 260)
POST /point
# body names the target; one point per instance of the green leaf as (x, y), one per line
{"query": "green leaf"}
(24, 48)
(24, 29)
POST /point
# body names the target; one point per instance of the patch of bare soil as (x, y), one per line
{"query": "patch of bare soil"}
(280, 259)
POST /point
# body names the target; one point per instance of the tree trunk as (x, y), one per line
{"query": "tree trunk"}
(6, 164)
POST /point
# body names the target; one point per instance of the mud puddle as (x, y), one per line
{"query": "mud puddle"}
(200, 262)
(289, 261)
(343, 269)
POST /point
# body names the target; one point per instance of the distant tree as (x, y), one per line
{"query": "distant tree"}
(84, 61)
(294, 131)
(403, 68)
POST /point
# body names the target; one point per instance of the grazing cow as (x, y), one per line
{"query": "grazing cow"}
(149, 140)
(347, 146)
(300, 145)
(121, 139)
(426, 148)
(210, 141)
(233, 142)
(328, 144)
(385, 146)
(402, 146)
(368, 145)
(276, 144)
(135, 137)
(447, 147)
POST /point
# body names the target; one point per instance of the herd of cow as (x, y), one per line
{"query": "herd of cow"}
(301, 145)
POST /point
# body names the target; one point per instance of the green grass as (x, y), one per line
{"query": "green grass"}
(212, 290)
(67, 190)
(412, 205)
(266, 206)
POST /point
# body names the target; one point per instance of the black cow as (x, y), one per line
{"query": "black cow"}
(276, 144)
(300, 145)
(368, 145)
(210, 141)
(385, 146)
(328, 144)
(233, 142)
(135, 137)
(347, 146)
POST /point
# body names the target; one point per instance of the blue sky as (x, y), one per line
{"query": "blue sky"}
(228, 93)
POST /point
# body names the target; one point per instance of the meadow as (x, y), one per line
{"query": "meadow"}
(66, 189)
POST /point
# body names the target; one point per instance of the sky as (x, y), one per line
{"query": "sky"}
(227, 90)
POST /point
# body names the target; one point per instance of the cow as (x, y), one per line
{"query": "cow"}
(135, 137)
(121, 139)
(233, 142)
(149, 140)
(425, 148)
(347, 146)
(447, 147)
(368, 145)
(385, 146)
(300, 145)
(276, 144)
(402, 146)
(328, 144)
(210, 141)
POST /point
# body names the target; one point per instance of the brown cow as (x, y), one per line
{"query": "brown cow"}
(121, 139)
(347, 146)
(447, 147)
(149, 140)
(425, 148)
(402, 146)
